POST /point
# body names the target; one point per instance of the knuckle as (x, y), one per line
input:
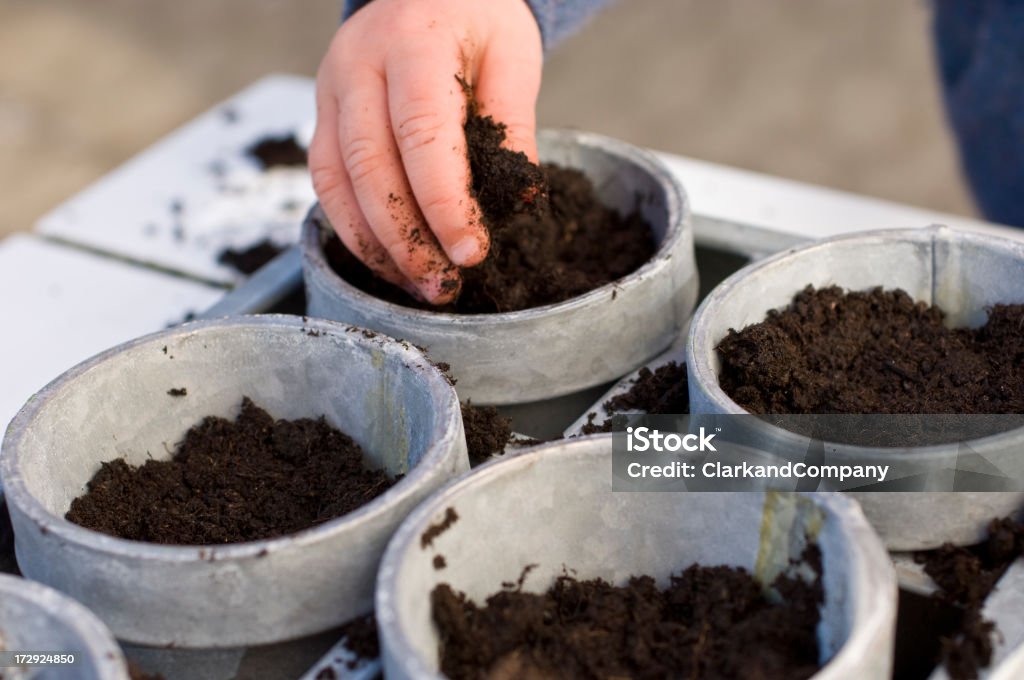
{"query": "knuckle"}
(418, 125)
(441, 204)
(363, 158)
(410, 21)
(326, 179)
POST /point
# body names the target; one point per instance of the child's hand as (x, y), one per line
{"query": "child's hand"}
(389, 154)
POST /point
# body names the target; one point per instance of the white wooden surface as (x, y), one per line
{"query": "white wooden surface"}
(225, 198)
(129, 213)
(755, 214)
(60, 306)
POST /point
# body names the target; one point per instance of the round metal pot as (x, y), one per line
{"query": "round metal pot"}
(553, 507)
(962, 273)
(385, 394)
(34, 618)
(558, 349)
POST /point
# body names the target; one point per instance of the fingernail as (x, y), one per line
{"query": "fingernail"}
(465, 251)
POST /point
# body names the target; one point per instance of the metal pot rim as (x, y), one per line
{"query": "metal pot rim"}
(441, 391)
(676, 204)
(701, 371)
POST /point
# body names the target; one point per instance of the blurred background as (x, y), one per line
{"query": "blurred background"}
(832, 92)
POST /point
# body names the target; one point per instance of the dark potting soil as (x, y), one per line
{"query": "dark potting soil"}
(362, 639)
(879, 351)
(435, 530)
(664, 390)
(711, 623)
(551, 237)
(487, 431)
(275, 152)
(248, 260)
(231, 481)
(965, 577)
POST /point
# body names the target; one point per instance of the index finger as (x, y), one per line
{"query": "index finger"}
(428, 108)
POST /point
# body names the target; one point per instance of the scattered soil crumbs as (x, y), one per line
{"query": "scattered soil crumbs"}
(136, 673)
(487, 431)
(965, 577)
(362, 639)
(551, 237)
(435, 530)
(249, 260)
(878, 351)
(711, 623)
(177, 392)
(276, 152)
(664, 390)
(231, 481)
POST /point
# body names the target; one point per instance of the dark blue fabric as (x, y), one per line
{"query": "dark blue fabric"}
(980, 49)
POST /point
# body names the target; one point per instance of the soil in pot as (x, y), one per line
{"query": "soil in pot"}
(711, 623)
(277, 152)
(551, 237)
(965, 577)
(361, 639)
(487, 431)
(879, 351)
(229, 481)
(662, 391)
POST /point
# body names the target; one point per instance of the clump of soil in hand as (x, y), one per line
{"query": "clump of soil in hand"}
(249, 260)
(877, 351)
(711, 623)
(504, 182)
(664, 390)
(231, 481)
(487, 431)
(278, 152)
(965, 577)
(551, 237)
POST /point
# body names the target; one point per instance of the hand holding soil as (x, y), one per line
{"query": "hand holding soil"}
(388, 158)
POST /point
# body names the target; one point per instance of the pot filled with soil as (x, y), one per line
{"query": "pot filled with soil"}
(589, 583)
(35, 619)
(228, 483)
(920, 324)
(585, 281)
(658, 388)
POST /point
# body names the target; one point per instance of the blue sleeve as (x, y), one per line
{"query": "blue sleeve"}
(558, 19)
(980, 50)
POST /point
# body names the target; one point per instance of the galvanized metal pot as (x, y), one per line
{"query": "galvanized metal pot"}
(963, 273)
(557, 349)
(553, 506)
(34, 618)
(385, 394)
